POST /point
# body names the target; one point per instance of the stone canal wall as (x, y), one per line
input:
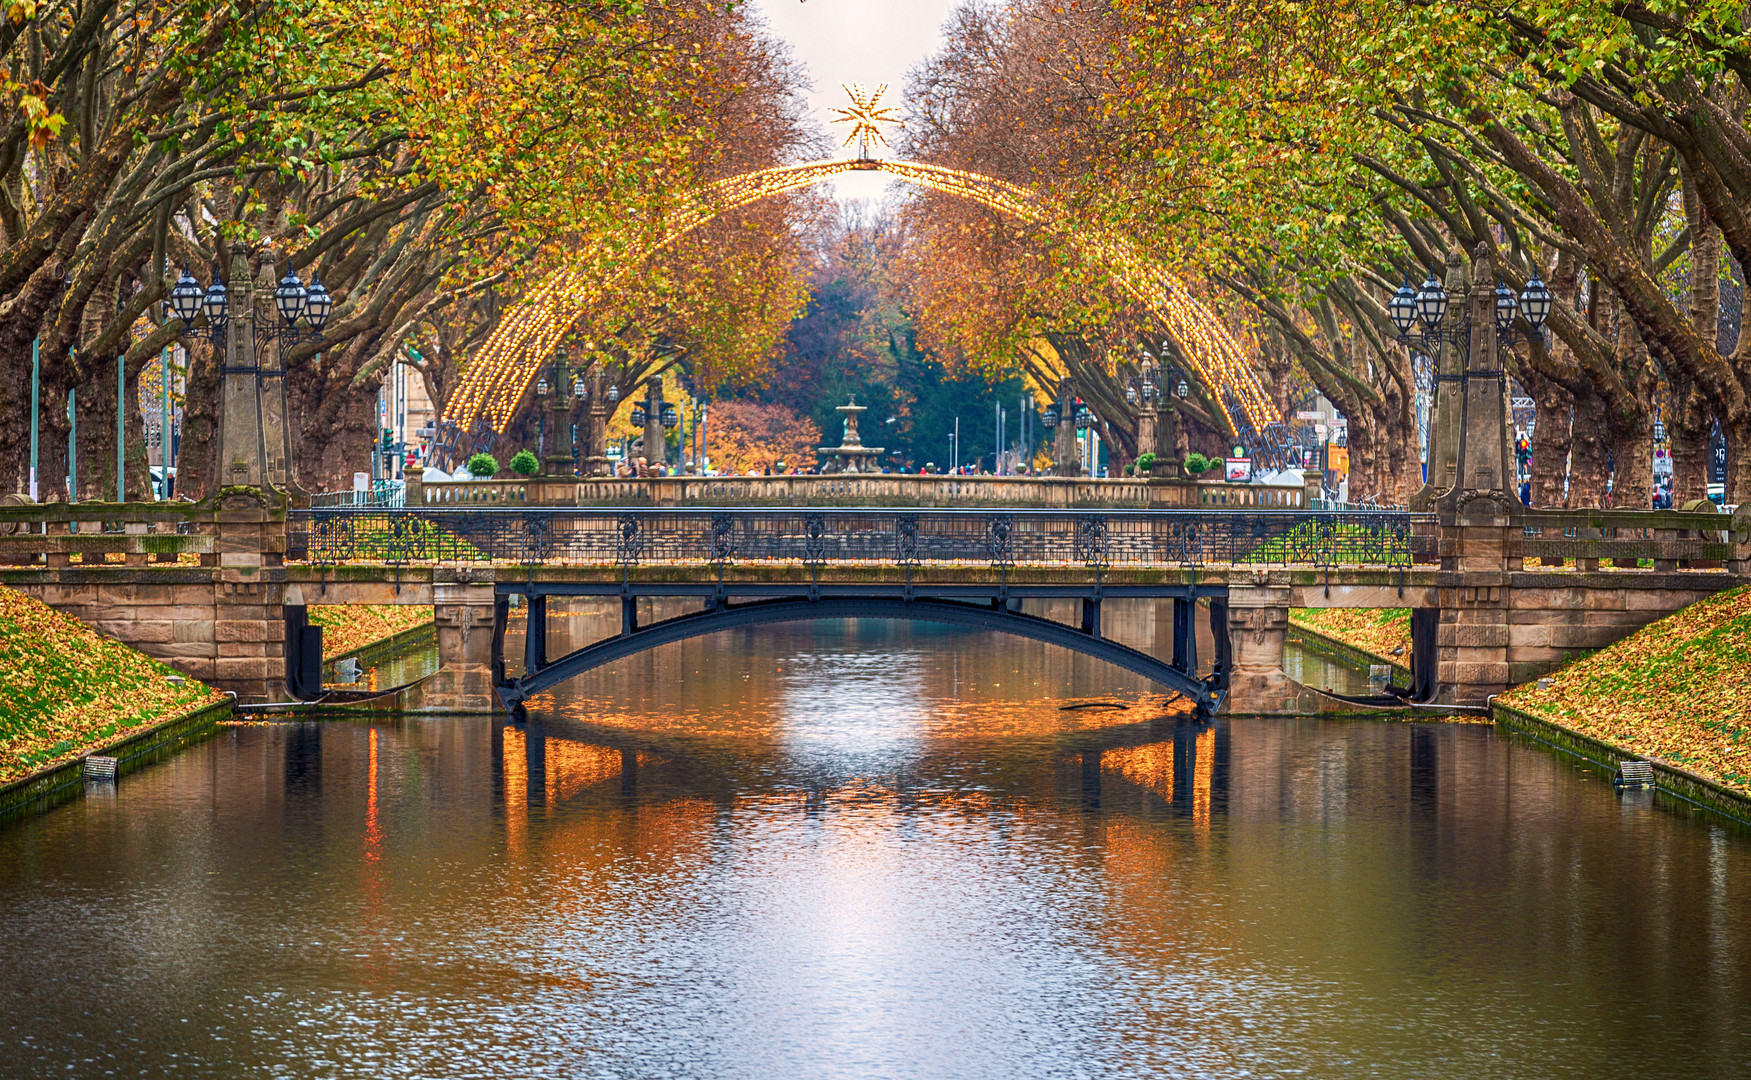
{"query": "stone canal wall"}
(48, 786)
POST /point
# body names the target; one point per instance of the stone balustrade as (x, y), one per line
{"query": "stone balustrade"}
(467, 492)
(139, 533)
(874, 490)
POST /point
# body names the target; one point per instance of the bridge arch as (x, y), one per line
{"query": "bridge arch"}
(1206, 693)
(506, 366)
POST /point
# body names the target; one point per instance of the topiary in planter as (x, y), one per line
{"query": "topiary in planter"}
(1197, 463)
(524, 463)
(482, 466)
(1146, 461)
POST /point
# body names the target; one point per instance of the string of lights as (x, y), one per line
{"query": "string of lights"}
(504, 370)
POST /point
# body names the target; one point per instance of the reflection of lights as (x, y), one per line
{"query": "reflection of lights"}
(499, 376)
(574, 766)
(1203, 768)
(373, 833)
(1148, 766)
(516, 771)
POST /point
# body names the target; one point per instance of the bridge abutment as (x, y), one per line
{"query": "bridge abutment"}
(471, 624)
(1258, 628)
(1473, 642)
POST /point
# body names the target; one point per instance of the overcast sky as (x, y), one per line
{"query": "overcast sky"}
(850, 41)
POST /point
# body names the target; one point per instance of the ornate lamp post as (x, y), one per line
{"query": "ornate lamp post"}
(1467, 369)
(254, 440)
(651, 418)
(1065, 460)
(557, 461)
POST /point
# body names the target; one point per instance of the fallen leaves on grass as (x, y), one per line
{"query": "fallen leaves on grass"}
(65, 688)
(1677, 691)
(353, 626)
(1375, 630)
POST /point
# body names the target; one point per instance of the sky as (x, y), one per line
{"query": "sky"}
(850, 41)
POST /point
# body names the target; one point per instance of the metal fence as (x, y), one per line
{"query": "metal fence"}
(1135, 539)
(382, 493)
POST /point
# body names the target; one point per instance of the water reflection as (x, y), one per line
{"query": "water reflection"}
(871, 851)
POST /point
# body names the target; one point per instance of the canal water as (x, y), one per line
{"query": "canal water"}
(871, 850)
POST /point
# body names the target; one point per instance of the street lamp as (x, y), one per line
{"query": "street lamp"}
(1506, 306)
(317, 304)
(291, 297)
(1403, 307)
(1430, 306)
(1049, 418)
(214, 304)
(185, 297)
(1535, 303)
(1432, 302)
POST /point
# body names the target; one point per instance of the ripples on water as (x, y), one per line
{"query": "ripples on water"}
(856, 850)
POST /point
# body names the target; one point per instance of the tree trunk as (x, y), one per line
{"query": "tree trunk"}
(195, 463)
(1687, 431)
(1550, 440)
(1632, 485)
(1589, 453)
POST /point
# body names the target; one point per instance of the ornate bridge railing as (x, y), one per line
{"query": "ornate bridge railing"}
(630, 537)
(1666, 539)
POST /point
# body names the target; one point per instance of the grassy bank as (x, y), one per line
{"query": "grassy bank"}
(1375, 630)
(1678, 691)
(346, 628)
(64, 688)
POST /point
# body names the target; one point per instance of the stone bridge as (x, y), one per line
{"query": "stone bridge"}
(220, 589)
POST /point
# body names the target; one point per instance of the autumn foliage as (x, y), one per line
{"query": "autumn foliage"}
(65, 689)
(744, 436)
(1678, 691)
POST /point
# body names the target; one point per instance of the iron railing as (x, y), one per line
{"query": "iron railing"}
(629, 537)
(382, 493)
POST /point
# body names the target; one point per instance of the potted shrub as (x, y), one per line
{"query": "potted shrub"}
(525, 463)
(1197, 464)
(482, 466)
(1146, 462)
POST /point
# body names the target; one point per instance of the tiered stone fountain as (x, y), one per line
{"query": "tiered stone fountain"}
(851, 456)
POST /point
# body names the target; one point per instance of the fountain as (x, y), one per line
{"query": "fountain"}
(850, 456)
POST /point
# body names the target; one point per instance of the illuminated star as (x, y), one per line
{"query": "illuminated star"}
(866, 116)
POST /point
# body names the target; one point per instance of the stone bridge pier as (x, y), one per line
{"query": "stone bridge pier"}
(468, 618)
(1258, 627)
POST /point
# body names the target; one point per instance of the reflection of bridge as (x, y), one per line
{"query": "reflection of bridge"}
(1175, 760)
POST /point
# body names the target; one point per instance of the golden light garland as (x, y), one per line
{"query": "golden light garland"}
(508, 364)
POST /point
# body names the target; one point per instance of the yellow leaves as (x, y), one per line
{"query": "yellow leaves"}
(1678, 690)
(346, 628)
(65, 688)
(20, 10)
(43, 125)
(1378, 631)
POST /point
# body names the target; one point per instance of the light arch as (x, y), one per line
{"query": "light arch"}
(507, 365)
